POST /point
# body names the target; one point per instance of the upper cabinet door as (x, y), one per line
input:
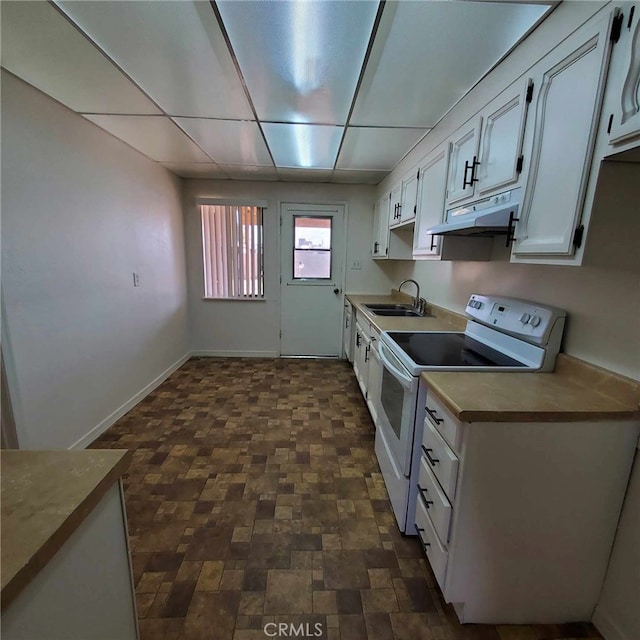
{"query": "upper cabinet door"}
(433, 183)
(625, 75)
(463, 162)
(502, 137)
(380, 247)
(569, 83)
(409, 199)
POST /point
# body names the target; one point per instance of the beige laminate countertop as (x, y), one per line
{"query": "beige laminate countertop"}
(575, 391)
(45, 497)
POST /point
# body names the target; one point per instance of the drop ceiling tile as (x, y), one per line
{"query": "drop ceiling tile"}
(40, 46)
(156, 136)
(303, 145)
(300, 60)
(247, 172)
(175, 51)
(376, 149)
(344, 176)
(195, 170)
(228, 141)
(305, 175)
(427, 55)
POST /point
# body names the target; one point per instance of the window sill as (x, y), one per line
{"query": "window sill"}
(206, 299)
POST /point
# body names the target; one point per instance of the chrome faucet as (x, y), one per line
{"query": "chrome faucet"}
(417, 299)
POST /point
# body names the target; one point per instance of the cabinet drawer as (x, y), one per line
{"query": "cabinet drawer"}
(441, 460)
(434, 500)
(436, 553)
(446, 425)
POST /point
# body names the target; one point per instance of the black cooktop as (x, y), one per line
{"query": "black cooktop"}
(450, 349)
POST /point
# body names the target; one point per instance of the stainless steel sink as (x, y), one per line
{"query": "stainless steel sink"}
(390, 307)
(398, 310)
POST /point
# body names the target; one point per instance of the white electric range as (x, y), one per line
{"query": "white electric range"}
(502, 334)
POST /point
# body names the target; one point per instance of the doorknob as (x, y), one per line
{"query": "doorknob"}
(336, 291)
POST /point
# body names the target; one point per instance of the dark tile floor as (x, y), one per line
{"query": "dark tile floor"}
(254, 498)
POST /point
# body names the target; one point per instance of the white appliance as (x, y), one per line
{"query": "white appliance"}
(486, 217)
(502, 334)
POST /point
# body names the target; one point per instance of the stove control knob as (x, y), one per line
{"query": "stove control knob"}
(535, 321)
(524, 318)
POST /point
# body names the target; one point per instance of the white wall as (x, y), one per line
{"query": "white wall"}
(252, 328)
(81, 212)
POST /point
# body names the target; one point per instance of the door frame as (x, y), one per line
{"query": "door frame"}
(319, 203)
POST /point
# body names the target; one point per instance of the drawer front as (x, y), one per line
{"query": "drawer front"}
(440, 458)
(436, 553)
(446, 425)
(434, 500)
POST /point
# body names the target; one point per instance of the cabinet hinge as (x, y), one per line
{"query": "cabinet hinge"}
(281, 334)
(616, 27)
(519, 164)
(418, 175)
(415, 208)
(577, 236)
(630, 21)
(529, 96)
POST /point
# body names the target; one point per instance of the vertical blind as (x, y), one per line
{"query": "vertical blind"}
(232, 241)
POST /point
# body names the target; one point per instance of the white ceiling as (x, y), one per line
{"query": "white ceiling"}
(301, 90)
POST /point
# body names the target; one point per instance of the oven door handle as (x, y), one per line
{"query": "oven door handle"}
(403, 377)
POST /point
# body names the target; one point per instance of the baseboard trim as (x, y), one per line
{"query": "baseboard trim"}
(128, 405)
(234, 354)
(606, 626)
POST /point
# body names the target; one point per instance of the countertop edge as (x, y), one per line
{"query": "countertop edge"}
(50, 547)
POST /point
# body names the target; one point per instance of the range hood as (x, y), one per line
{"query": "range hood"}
(486, 217)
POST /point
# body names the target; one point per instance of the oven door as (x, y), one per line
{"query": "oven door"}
(396, 408)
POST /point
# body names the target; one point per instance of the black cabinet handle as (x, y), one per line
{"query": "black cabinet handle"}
(433, 243)
(366, 353)
(422, 542)
(423, 495)
(432, 461)
(434, 416)
(375, 247)
(358, 340)
(511, 229)
(470, 167)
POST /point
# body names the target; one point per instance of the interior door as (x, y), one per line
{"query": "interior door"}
(311, 279)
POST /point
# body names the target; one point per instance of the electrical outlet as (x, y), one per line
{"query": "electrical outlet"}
(136, 279)
(356, 264)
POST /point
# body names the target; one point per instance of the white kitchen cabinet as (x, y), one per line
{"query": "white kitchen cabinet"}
(624, 77)
(463, 162)
(559, 141)
(374, 378)
(430, 211)
(500, 158)
(409, 197)
(380, 247)
(361, 355)
(395, 204)
(504, 510)
(347, 331)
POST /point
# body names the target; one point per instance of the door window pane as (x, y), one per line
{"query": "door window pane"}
(312, 248)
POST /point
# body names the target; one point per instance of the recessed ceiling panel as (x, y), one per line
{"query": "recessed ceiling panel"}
(195, 170)
(228, 141)
(343, 176)
(300, 60)
(175, 51)
(156, 136)
(376, 149)
(247, 172)
(305, 175)
(303, 145)
(427, 55)
(40, 46)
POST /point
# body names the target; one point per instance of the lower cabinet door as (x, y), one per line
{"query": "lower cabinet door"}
(436, 553)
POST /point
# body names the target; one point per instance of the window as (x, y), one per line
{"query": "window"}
(233, 251)
(311, 248)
